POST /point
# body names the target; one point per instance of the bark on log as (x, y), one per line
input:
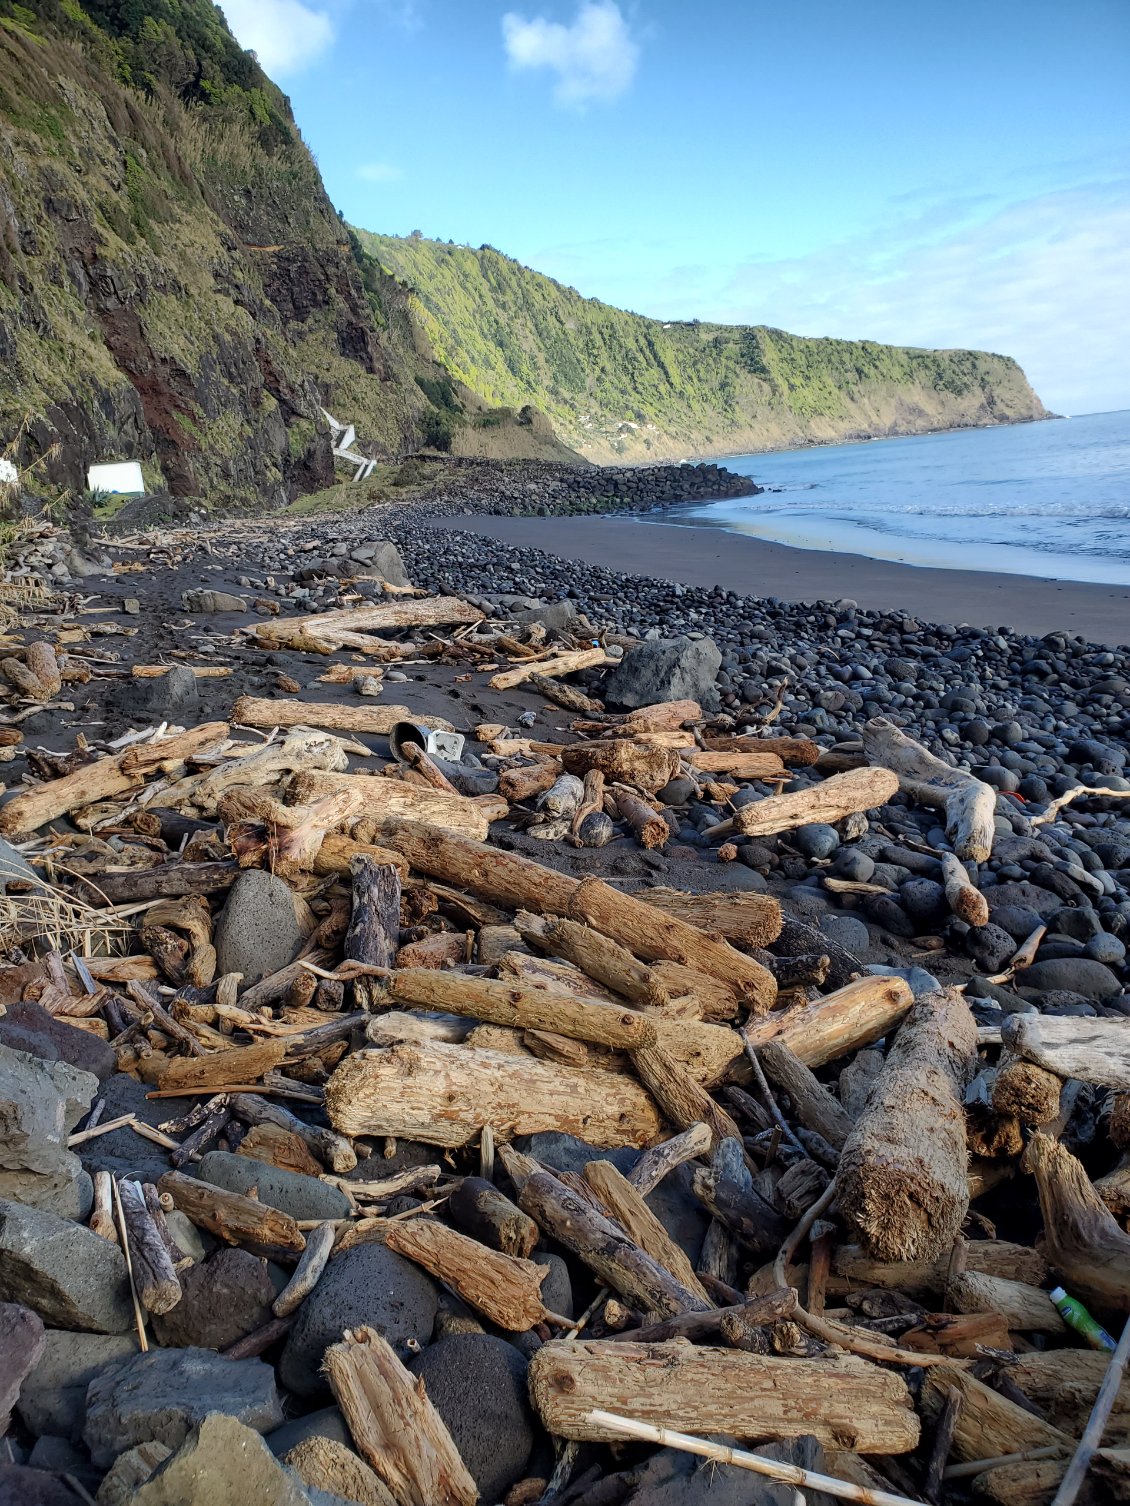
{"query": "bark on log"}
(841, 795)
(920, 1278)
(649, 768)
(682, 1099)
(338, 851)
(662, 717)
(257, 711)
(844, 1402)
(235, 1219)
(566, 696)
(104, 779)
(815, 1107)
(155, 1277)
(742, 1209)
(626, 1205)
(1091, 1050)
(394, 1425)
(1024, 1309)
(604, 1246)
(444, 1094)
(504, 1288)
(567, 663)
(330, 1148)
(694, 995)
(798, 752)
(387, 802)
(902, 1183)
(839, 1023)
(499, 1003)
(1083, 1240)
(747, 920)
(651, 831)
(604, 960)
(479, 1209)
(170, 880)
(240, 1064)
(1063, 1383)
(374, 923)
(989, 1425)
(963, 897)
(521, 884)
(968, 803)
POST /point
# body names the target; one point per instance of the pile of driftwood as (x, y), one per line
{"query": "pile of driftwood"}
(855, 1148)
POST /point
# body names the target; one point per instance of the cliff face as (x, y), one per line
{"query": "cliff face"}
(616, 384)
(175, 286)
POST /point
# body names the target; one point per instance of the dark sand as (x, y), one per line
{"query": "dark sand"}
(712, 557)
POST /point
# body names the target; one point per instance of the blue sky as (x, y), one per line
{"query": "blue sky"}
(944, 175)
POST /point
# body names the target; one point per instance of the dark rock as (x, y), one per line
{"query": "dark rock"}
(1107, 949)
(850, 863)
(367, 1285)
(327, 1423)
(22, 1342)
(27, 1026)
(259, 930)
(848, 931)
(170, 697)
(557, 617)
(123, 1151)
(991, 946)
(381, 559)
(69, 1276)
(1017, 920)
(15, 870)
(53, 1398)
(40, 1103)
(1078, 975)
(224, 1298)
(817, 840)
(208, 601)
(166, 1393)
(290, 1191)
(924, 901)
(673, 669)
(1028, 896)
(22, 1486)
(477, 1384)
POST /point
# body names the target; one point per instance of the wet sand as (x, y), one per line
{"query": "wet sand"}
(712, 557)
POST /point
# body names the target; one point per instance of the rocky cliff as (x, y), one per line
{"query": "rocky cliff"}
(615, 384)
(175, 286)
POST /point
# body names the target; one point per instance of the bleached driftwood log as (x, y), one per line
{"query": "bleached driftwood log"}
(962, 895)
(902, 1182)
(519, 884)
(1083, 1240)
(504, 1288)
(919, 1278)
(603, 960)
(256, 711)
(841, 795)
(683, 1100)
(967, 802)
(752, 763)
(844, 1402)
(158, 1285)
(988, 1425)
(566, 663)
(387, 801)
(235, 1219)
(636, 763)
(745, 920)
(1024, 1308)
(444, 1094)
(626, 1205)
(1092, 1050)
(424, 611)
(251, 766)
(394, 1425)
(106, 778)
(528, 780)
(837, 1024)
(813, 1104)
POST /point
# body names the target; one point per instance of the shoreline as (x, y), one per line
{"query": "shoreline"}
(707, 557)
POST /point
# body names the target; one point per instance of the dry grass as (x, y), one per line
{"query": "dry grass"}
(48, 919)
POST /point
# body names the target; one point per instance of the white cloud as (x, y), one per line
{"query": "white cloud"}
(379, 172)
(1043, 280)
(594, 58)
(286, 35)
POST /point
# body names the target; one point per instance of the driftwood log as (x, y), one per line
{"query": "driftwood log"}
(815, 1107)
(902, 1183)
(968, 804)
(962, 895)
(330, 1147)
(154, 1274)
(837, 1024)
(844, 1402)
(506, 879)
(1090, 1050)
(444, 1094)
(504, 1288)
(566, 663)
(479, 1209)
(626, 1205)
(387, 801)
(235, 1219)
(919, 1278)
(745, 920)
(602, 959)
(841, 795)
(1083, 1240)
(394, 1425)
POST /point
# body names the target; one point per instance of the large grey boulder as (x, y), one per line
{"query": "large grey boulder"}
(69, 1276)
(207, 600)
(40, 1103)
(261, 928)
(224, 1299)
(27, 1026)
(170, 697)
(222, 1463)
(289, 1191)
(670, 669)
(369, 1286)
(15, 869)
(477, 1384)
(380, 560)
(53, 1398)
(1094, 980)
(20, 1485)
(22, 1342)
(166, 1393)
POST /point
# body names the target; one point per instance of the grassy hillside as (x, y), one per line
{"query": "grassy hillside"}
(175, 286)
(616, 384)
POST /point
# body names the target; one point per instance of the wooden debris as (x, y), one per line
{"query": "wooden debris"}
(506, 1289)
(968, 803)
(831, 801)
(235, 1219)
(837, 1024)
(1092, 1050)
(1084, 1242)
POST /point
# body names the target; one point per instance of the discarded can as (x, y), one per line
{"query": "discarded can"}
(446, 745)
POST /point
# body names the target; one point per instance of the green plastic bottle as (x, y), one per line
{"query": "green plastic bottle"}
(1076, 1316)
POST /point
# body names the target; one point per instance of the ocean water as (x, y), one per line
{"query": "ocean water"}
(1050, 499)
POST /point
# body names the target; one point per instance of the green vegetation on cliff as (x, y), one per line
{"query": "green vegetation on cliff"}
(614, 383)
